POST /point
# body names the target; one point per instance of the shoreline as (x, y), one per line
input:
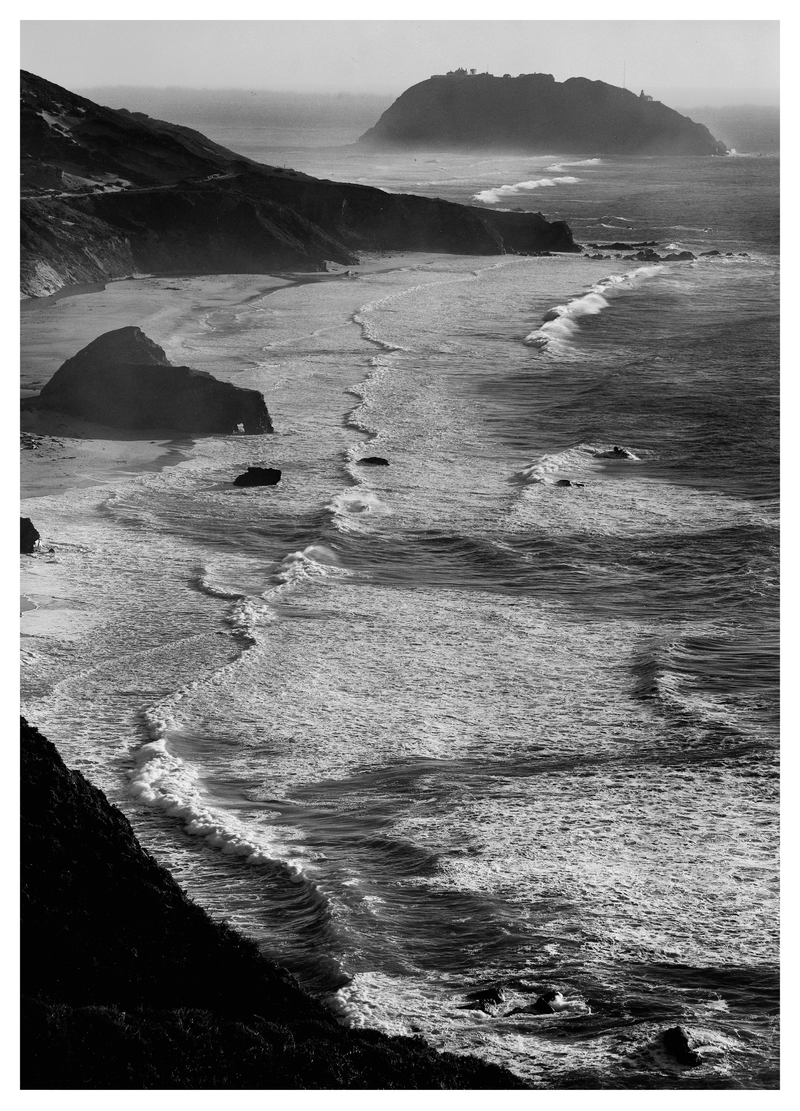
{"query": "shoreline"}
(70, 453)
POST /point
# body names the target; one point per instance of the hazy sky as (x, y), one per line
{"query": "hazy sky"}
(729, 59)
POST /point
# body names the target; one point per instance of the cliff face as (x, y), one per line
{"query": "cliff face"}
(127, 984)
(107, 193)
(534, 112)
(125, 380)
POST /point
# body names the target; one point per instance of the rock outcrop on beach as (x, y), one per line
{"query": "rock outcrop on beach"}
(536, 113)
(28, 536)
(124, 380)
(128, 984)
(109, 193)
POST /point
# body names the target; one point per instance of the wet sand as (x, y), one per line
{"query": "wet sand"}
(60, 452)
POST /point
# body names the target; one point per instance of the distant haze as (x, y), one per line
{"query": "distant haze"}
(682, 62)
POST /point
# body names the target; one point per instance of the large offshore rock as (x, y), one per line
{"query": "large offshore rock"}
(534, 112)
(124, 380)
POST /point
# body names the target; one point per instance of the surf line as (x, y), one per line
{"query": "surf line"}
(561, 322)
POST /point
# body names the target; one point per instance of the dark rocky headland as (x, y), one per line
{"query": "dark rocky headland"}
(536, 113)
(124, 380)
(109, 193)
(128, 984)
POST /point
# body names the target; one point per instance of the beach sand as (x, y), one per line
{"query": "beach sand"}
(60, 452)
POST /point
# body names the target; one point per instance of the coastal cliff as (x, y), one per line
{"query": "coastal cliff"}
(109, 193)
(128, 984)
(534, 112)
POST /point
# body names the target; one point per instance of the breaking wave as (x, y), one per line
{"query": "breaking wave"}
(560, 323)
(492, 196)
(556, 167)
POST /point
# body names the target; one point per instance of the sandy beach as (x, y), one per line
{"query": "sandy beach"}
(59, 452)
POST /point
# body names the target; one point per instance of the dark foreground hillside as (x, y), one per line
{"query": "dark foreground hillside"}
(126, 983)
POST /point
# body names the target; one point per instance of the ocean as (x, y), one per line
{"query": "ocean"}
(502, 711)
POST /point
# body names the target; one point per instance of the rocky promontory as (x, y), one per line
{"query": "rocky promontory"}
(109, 193)
(128, 984)
(124, 380)
(535, 113)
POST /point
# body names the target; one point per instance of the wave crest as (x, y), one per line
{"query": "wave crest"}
(492, 196)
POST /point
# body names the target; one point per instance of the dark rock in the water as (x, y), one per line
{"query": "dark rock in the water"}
(647, 254)
(567, 482)
(125, 380)
(258, 476)
(708, 254)
(373, 461)
(28, 536)
(127, 983)
(548, 1003)
(615, 453)
(494, 994)
(533, 112)
(680, 1044)
(540, 1007)
(482, 1005)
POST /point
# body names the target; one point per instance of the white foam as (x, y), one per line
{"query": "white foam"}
(161, 779)
(356, 509)
(547, 468)
(557, 167)
(564, 325)
(492, 196)
(315, 561)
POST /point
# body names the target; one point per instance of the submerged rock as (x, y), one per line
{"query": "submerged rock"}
(616, 452)
(258, 476)
(548, 1003)
(28, 536)
(373, 461)
(680, 1044)
(125, 380)
(495, 994)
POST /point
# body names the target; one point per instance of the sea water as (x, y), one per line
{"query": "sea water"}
(505, 709)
